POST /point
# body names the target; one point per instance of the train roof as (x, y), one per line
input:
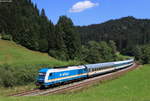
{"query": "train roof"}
(100, 65)
(107, 64)
(61, 69)
(68, 68)
(118, 62)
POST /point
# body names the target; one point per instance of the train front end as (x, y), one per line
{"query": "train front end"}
(41, 77)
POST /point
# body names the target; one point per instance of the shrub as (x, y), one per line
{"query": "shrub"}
(58, 54)
(6, 37)
(7, 78)
(13, 76)
(96, 52)
(142, 53)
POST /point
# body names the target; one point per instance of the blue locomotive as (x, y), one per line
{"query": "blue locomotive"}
(52, 76)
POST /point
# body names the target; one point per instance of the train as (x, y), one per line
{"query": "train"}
(58, 75)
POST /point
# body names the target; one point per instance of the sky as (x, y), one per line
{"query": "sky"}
(86, 12)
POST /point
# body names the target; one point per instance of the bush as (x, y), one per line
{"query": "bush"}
(13, 76)
(98, 52)
(142, 54)
(7, 78)
(6, 37)
(58, 54)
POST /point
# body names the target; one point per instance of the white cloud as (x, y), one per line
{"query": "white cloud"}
(82, 5)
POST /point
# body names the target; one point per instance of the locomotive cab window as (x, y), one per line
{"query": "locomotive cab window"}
(42, 74)
(50, 74)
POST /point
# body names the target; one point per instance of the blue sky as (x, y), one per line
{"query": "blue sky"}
(86, 12)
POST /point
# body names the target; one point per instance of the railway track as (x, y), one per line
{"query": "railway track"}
(76, 85)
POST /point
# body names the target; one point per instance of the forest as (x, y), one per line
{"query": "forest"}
(129, 34)
(22, 22)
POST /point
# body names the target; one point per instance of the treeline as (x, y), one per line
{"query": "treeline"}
(126, 32)
(22, 22)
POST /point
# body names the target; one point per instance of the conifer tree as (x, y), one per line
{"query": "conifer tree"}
(71, 37)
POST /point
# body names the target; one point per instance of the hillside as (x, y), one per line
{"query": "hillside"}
(134, 86)
(19, 66)
(13, 54)
(126, 32)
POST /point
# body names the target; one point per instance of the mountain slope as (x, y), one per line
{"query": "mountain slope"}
(13, 54)
(127, 32)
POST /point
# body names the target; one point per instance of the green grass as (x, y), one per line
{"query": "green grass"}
(134, 86)
(7, 91)
(16, 55)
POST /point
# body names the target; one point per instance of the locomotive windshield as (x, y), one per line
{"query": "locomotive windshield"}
(50, 74)
(41, 75)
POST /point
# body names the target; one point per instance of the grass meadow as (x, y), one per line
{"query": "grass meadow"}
(16, 55)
